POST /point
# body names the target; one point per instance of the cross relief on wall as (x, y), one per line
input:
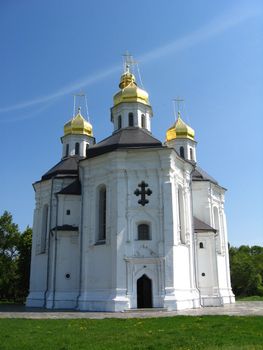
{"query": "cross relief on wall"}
(143, 193)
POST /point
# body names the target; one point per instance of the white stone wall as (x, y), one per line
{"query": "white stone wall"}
(206, 268)
(38, 273)
(112, 269)
(66, 270)
(103, 275)
(208, 206)
(44, 264)
(69, 210)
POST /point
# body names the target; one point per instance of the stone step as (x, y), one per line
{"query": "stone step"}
(150, 309)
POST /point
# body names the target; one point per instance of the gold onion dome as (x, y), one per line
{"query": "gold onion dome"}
(180, 130)
(130, 92)
(78, 125)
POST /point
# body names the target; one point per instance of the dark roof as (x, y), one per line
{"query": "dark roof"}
(73, 189)
(65, 228)
(130, 137)
(200, 175)
(67, 166)
(200, 226)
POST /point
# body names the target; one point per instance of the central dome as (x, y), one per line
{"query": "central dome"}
(130, 92)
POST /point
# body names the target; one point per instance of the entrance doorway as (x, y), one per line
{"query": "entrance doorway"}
(144, 292)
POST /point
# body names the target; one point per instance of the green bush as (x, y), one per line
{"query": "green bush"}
(246, 265)
(15, 252)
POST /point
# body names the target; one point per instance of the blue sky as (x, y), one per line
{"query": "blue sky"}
(208, 52)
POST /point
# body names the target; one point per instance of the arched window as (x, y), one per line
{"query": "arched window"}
(119, 122)
(77, 148)
(143, 232)
(216, 218)
(182, 152)
(131, 120)
(191, 154)
(201, 245)
(44, 229)
(217, 227)
(143, 121)
(87, 147)
(67, 150)
(181, 215)
(102, 210)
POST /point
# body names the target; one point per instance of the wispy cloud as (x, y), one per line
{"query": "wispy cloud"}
(33, 113)
(63, 91)
(217, 26)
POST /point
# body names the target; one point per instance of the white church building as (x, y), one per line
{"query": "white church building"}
(129, 222)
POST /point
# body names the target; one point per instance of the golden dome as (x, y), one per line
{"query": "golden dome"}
(180, 130)
(78, 125)
(130, 92)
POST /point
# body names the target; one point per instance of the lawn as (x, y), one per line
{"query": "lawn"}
(250, 298)
(181, 332)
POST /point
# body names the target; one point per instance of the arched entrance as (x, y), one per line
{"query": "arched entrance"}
(144, 292)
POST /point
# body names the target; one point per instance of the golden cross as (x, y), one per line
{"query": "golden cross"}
(128, 61)
(177, 101)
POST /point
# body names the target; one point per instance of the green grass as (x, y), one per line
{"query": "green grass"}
(250, 298)
(181, 332)
(12, 302)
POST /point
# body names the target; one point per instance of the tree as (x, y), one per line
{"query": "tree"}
(15, 255)
(9, 240)
(246, 266)
(24, 248)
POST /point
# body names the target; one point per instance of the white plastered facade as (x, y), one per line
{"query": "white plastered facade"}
(72, 268)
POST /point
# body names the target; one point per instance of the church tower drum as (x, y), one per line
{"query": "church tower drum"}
(131, 104)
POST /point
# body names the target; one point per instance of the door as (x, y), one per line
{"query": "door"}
(144, 292)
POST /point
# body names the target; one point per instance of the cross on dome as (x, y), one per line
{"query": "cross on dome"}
(128, 61)
(176, 103)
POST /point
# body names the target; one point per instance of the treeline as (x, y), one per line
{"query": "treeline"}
(246, 267)
(15, 255)
(246, 264)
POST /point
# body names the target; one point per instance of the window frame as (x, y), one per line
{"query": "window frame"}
(44, 229)
(181, 151)
(101, 214)
(144, 235)
(77, 148)
(119, 122)
(130, 119)
(143, 121)
(201, 245)
(191, 154)
(67, 150)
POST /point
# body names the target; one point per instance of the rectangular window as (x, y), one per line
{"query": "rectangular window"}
(44, 230)
(143, 121)
(102, 214)
(143, 232)
(131, 121)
